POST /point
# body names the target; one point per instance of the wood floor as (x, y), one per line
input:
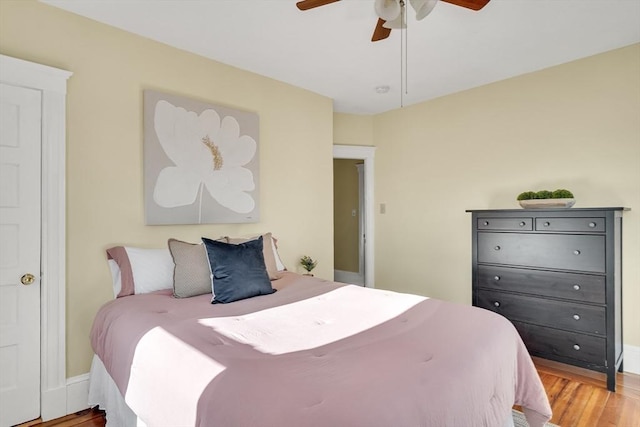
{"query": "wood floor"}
(86, 418)
(579, 398)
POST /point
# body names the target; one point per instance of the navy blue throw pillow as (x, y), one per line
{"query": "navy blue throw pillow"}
(238, 271)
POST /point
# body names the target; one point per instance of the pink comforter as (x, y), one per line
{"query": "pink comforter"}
(316, 353)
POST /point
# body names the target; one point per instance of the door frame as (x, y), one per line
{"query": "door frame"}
(361, 224)
(52, 83)
(366, 153)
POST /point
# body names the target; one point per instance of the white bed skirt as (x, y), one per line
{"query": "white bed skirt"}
(104, 393)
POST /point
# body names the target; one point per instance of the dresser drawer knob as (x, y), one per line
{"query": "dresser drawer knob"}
(496, 303)
(592, 225)
(547, 223)
(577, 252)
(497, 248)
(485, 223)
(522, 223)
(496, 278)
(576, 347)
(576, 317)
(576, 287)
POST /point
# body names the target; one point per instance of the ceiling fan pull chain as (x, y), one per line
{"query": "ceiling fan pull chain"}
(406, 53)
(401, 65)
(404, 40)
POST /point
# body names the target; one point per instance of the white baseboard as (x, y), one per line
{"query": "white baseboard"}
(53, 404)
(631, 361)
(77, 393)
(348, 277)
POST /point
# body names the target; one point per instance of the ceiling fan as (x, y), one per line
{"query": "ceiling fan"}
(390, 14)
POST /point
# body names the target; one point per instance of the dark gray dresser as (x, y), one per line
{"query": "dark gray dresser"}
(557, 275)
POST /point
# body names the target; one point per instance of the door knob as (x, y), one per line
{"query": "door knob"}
(28, 279)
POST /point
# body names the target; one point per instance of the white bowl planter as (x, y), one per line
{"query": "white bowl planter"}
(547, 203)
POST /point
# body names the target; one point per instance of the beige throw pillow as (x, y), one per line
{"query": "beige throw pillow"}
(192, 274)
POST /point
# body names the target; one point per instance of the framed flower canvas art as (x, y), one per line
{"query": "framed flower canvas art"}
(200, 162)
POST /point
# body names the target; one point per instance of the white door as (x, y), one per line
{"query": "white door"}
(20, 148)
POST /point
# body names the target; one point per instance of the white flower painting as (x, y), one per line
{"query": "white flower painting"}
(200, 162)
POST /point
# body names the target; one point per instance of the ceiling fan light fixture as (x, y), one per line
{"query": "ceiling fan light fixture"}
(388, 10)
(392, 13)
(423, 7)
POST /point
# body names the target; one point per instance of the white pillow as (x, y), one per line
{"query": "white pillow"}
(116, 277)
(152, 269)
(141, 270)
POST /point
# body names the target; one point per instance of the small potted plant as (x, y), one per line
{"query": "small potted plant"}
(559, 198)
(308, 264)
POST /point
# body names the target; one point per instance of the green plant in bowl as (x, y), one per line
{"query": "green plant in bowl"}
(543, 194)
(559, 198)
(561, 193)
(527, 195)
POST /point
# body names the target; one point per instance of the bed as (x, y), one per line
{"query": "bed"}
(313, 353)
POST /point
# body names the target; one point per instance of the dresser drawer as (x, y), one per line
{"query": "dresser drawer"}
(578, 287)
(566, 252)
(554, 343)
(592, 225)
(558, 314)
(513, 224)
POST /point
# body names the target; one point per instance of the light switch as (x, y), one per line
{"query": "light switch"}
(383, 208)
(353, 212)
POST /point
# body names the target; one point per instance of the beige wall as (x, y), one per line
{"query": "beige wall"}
(351, 129)
(346, 243)
(574, 126)
(104, 149)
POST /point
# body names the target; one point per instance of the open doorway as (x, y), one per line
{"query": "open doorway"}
(348, 221)
(353, 214)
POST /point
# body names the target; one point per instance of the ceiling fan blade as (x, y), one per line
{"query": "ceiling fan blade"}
(310, 4)
(469, 4)
(380, 33)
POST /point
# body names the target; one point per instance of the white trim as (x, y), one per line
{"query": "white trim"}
(361, 217)
(631, 360)
(367, 154)
(350, 277)
(18, 72)
(77, 393)
(52, 82)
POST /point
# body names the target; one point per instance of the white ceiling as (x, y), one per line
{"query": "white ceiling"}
(328, 50)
